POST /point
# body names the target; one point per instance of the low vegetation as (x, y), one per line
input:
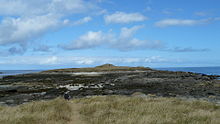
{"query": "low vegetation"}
(130, 110)
(113, 110)
(101, 68)
(55, 111)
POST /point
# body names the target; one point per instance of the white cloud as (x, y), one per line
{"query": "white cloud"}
(30, 60)
(88, 40)
(70, 6)
(129, 32)
(122, 17)
(124, 41)
(41, 7)
(20, 30)
(187, 49)
(74, 60)
(154, 59)
(180, 22)
(16, 7)
(25, 20)
(83, 60)
(169, 11)
(82, 21)
(42, 48)
(49, 60)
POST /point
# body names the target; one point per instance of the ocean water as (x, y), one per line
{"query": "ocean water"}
(203, 70)
(15, 72)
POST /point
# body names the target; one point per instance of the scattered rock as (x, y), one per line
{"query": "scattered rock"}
(152, 95)
(66, 96)
(108, 80)
(9, 101)
(138, 94)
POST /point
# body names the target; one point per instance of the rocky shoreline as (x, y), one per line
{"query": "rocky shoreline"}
(107, 80)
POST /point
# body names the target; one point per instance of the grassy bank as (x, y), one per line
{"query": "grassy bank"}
(113, 110)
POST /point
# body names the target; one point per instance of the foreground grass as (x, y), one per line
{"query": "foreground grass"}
(55, 111)
(137, 110)
(113, 110)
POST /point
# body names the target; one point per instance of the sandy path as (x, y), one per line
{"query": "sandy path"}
(76, 118)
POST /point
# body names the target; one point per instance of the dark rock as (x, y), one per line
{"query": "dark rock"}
(66, 96)
(210, 93)
(10, 88)
(39, 86)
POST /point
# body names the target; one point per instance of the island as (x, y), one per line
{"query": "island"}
(107, 80)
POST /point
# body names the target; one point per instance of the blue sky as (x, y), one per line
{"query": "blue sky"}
(47, 34)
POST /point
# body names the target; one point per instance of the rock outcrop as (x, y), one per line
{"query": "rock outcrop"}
(106, 80)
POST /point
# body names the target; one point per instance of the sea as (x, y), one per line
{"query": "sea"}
(15, 72)
(203, 70)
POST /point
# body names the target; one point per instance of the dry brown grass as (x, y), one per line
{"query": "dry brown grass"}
(55, 111)
(113, 110)
(105, 68)
(138, 110)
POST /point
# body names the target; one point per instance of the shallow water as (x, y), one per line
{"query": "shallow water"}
(203, 70)
(15, 72)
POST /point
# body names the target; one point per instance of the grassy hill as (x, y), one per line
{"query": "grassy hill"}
(113, 110)
(101, 68)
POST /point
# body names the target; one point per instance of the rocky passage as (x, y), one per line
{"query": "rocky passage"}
(20, 89)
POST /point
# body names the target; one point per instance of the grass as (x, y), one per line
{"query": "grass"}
(137, 110)
(113, 110)
(105, 67)
(55, 111)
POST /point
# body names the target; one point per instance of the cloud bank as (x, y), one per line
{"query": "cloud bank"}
(124, 41)
(74, 60)
(187, 49)
(21, 30)
(26, 20)
(180, 22)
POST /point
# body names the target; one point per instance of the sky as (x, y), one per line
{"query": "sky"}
(49, 34)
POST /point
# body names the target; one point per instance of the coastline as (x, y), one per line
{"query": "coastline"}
(200, 70)
(107, 80)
